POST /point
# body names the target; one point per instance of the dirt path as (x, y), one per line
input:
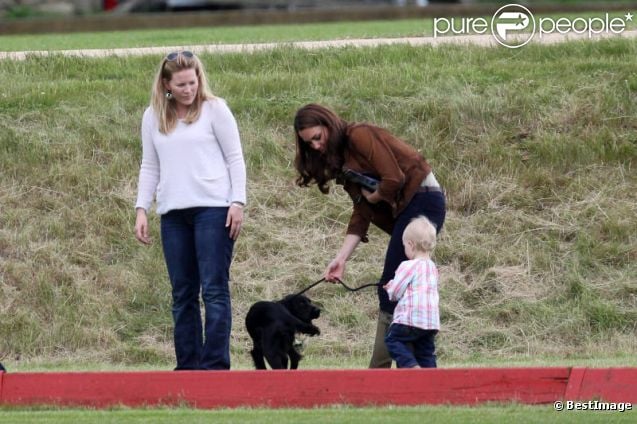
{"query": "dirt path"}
(481, 40)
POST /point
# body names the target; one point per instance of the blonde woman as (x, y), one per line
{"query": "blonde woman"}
(193, 166)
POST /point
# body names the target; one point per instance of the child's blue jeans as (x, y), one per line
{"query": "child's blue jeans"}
(399, 339)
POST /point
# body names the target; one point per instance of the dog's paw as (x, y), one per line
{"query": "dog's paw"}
(314, 331)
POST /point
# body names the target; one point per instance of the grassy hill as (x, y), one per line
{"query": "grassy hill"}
(537, 150)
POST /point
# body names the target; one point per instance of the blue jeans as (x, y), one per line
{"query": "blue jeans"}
(198, 251)
(401, 337)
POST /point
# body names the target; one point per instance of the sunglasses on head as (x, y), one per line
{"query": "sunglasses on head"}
(174, 55)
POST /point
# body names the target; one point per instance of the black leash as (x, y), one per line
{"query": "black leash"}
(340, 282)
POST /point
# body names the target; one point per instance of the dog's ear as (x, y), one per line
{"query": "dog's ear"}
(288, 301)
(298, 305)
(288, 298)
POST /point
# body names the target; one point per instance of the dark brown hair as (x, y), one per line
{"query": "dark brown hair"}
(314, 167)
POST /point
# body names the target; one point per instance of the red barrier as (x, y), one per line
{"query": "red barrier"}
(310, 388)
(574, 383)
(610, 385)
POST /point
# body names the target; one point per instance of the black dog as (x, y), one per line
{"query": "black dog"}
(272, 326)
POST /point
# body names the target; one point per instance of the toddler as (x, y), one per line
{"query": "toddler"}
(416, 318)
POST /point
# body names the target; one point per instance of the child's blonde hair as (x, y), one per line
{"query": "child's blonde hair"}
(422, 233)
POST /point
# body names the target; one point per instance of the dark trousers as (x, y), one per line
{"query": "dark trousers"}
(411, 346)
(430, 204)
(198, 251)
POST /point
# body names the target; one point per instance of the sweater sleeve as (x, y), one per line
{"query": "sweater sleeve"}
(149, 169)
(226, 130)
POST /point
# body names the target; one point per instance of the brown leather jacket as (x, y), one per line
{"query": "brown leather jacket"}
(398, 166)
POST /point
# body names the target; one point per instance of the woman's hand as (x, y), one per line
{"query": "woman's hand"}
(141, 227)
(372, 198)
(334, 271)
(234, 220)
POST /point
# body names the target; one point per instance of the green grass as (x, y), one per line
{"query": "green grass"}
(218, 35)
(438, 414)
(235, 34)
(536, 148)
(315, 361)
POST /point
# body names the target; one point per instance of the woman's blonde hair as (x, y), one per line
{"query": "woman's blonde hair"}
(422, 233)
(165, 108)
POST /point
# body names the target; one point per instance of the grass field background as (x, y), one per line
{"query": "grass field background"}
(218, 35)
(439, 414)
(536, 149)
(243, 34)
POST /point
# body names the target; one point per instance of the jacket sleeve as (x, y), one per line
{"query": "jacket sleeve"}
(361, 214)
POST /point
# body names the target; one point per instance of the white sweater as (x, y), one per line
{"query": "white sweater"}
(195, 165)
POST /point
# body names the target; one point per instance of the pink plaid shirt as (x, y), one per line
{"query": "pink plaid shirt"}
(415, 287)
